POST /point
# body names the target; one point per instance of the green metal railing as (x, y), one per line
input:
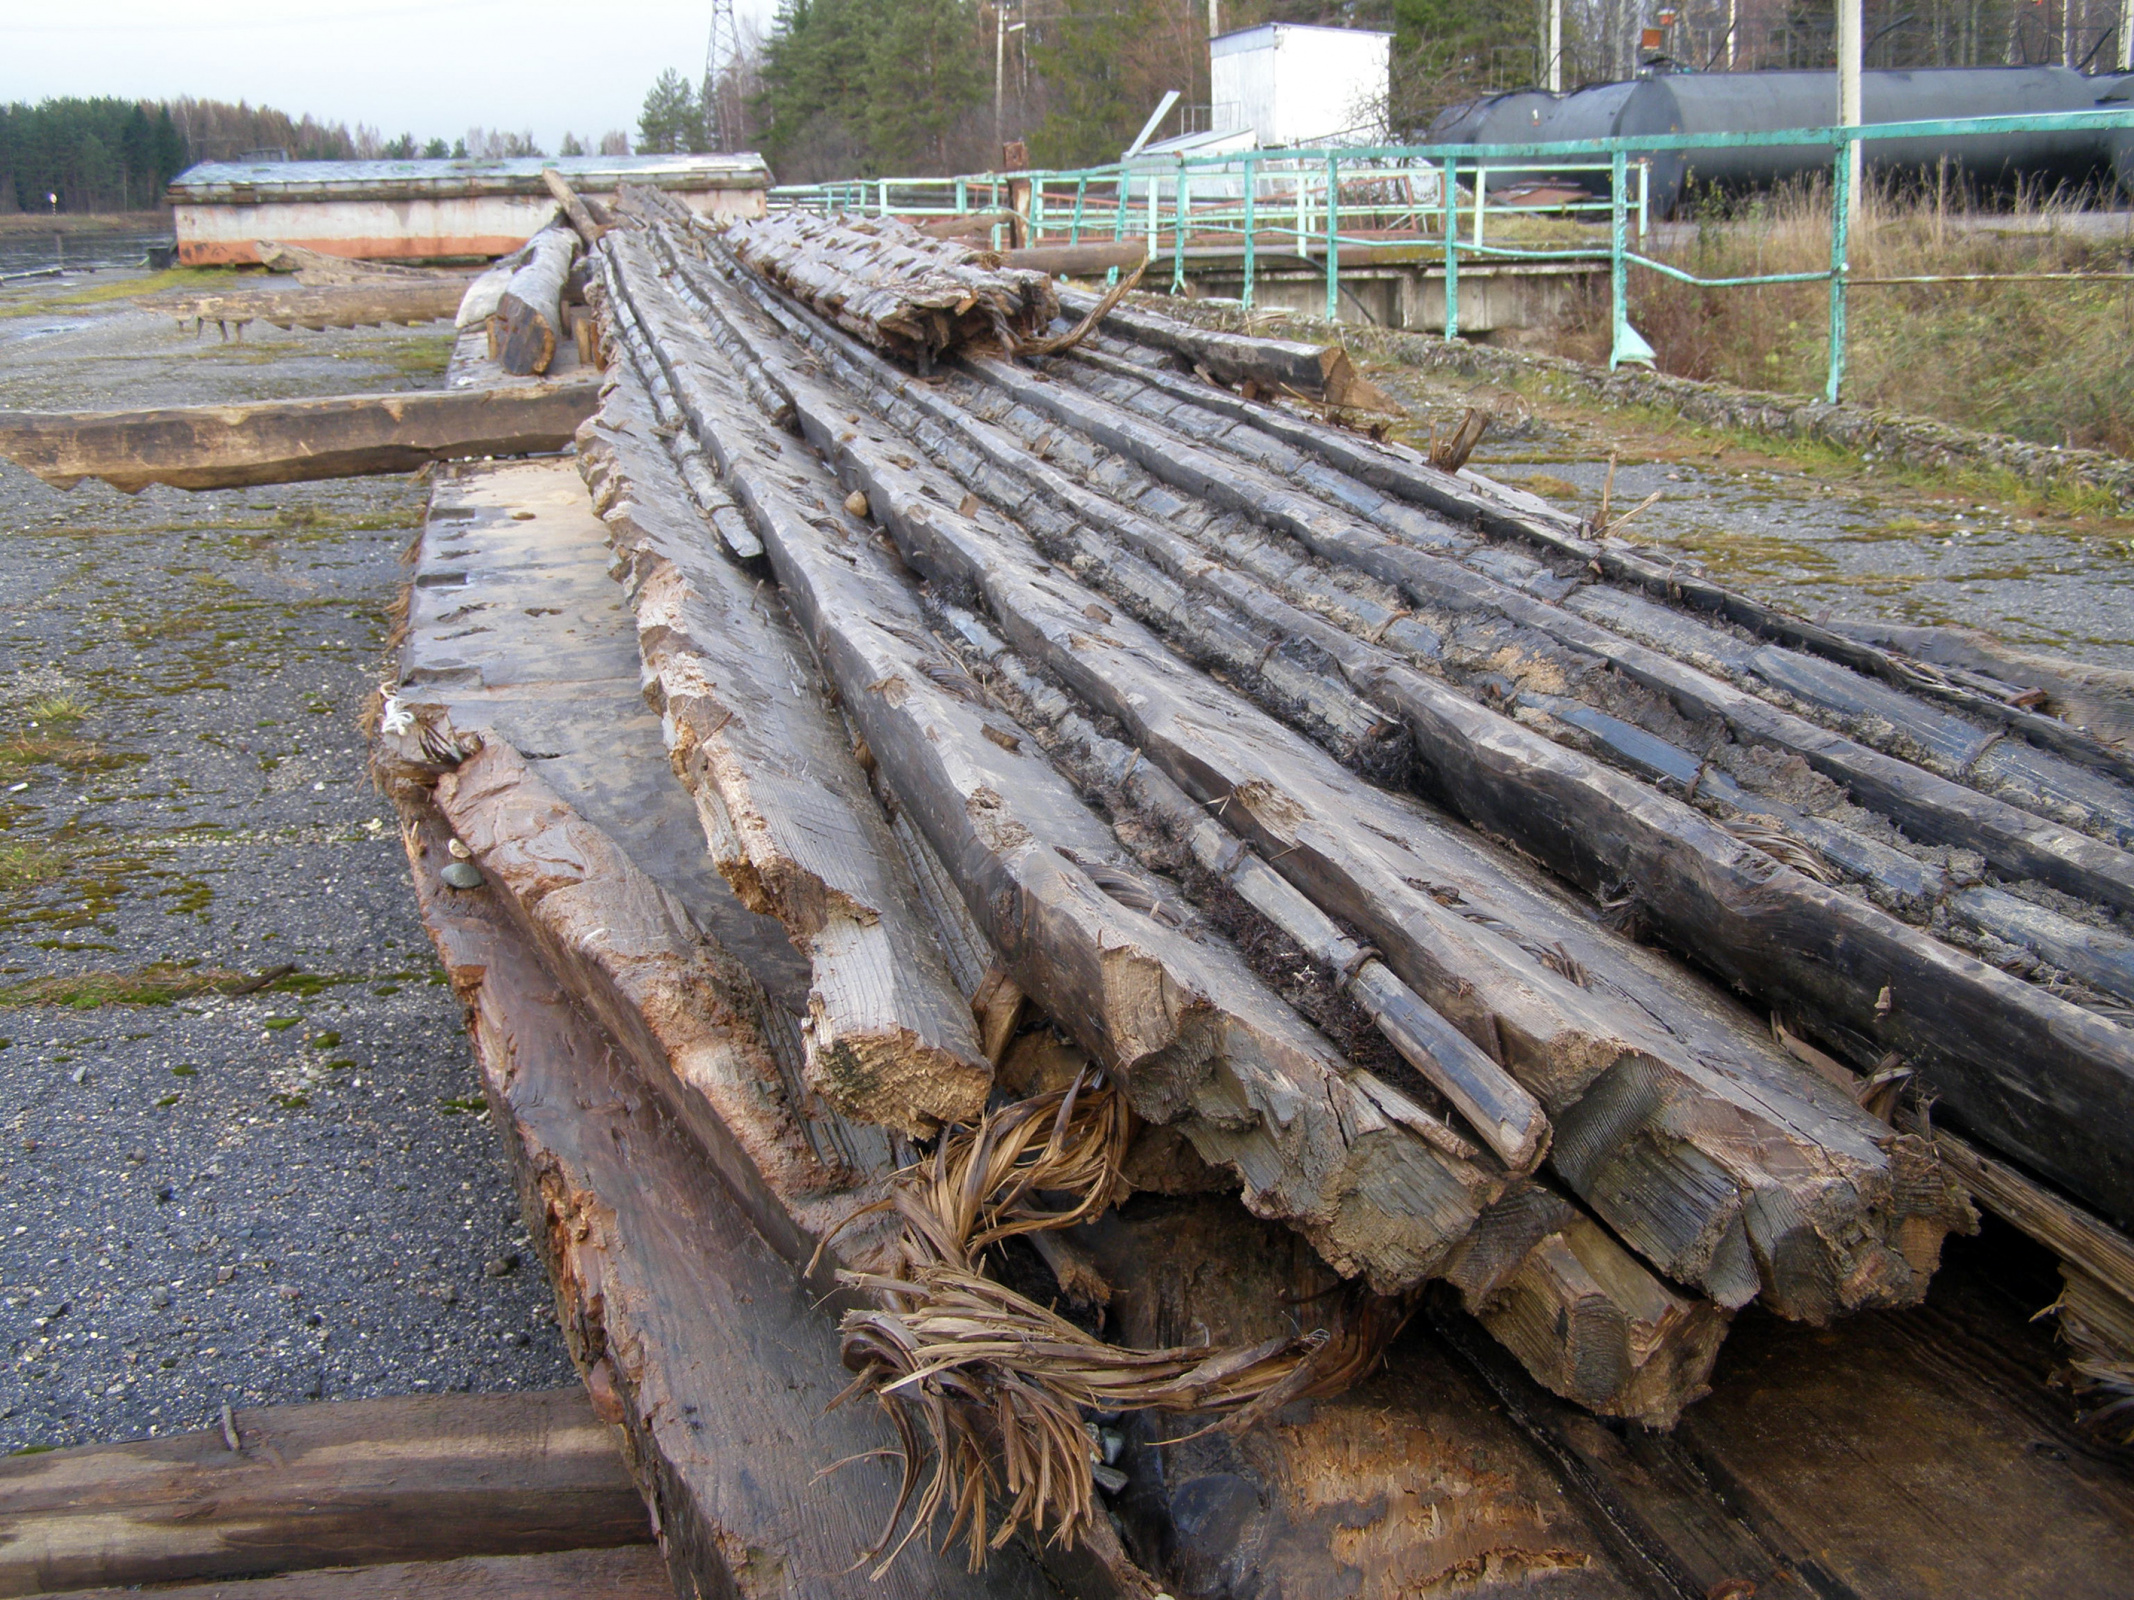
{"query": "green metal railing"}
(1359, 199)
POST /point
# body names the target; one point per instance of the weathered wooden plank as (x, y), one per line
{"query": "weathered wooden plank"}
(1315, 372)
(2098, 956)
(290, 441)
(717, 506)
(707, 1346)
(1193, 1036)
(351, 305)
(615, 886)
(532, 303)
(1922, 1454)
(1930, 808)
(633, 1572)
(1561, 1040)
(1583, 1315)
(2000, 1049)
(791, 821)
(422, 1478)
(1411, 1483)
(1506, 1117)
(2091, 732)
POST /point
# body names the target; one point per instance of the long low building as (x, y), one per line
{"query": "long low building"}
(425, 210)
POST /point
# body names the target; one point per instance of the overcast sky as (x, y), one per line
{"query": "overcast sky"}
(432, 68)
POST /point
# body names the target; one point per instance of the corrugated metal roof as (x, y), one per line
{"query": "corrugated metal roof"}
(242, 182)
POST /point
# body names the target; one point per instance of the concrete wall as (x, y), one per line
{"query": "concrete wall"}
(416, 228)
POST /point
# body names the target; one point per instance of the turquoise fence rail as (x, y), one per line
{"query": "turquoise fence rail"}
(1363, 202)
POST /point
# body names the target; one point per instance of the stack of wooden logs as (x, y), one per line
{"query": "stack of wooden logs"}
(902, 291)
(1489, 903)
(1511, 1023)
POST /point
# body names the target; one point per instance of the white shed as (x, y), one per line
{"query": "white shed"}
(1296, 85)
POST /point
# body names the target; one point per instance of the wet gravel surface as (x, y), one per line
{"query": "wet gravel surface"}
(287, 1195)
(1836, 542)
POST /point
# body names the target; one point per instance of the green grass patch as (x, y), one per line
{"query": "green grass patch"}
(161, 984)
(29, 864)
(194, 280)
(472, 1105)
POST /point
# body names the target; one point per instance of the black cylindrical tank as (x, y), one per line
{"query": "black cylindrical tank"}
(1757, 102)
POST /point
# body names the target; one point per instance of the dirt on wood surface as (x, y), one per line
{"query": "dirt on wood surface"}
(208, 1195)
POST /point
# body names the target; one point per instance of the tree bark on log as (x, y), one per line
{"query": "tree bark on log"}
(292, 441)
(532, 303)
(791, 821)
(894, 287)
(1585, 1058)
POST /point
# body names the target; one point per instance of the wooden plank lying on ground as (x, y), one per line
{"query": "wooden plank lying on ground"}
(290, 441)
(420, 1478)
(633, 1572)
(353, 305)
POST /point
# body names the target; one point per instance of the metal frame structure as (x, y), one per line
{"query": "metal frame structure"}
(1324, 201)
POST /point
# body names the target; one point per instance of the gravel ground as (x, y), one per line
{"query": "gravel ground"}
(287, 1195)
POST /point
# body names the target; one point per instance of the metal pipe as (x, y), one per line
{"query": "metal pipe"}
(1450, 173)
(1618, 268)
(1333, 237)
(1841, 208)
(1252, 226)
(1178, 234)
(1849, 97)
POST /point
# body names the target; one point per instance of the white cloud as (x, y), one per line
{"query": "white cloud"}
(432, 70)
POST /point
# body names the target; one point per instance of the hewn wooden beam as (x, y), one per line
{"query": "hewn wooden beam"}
(353, 305)
(422, 1478)
(785, 803)
(634, 1572)
(1193, 1036)
(1466, 934)
(290, 441)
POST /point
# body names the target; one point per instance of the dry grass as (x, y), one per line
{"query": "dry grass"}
(2051, 362)
(990, 1385)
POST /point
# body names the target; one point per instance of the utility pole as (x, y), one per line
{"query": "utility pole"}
(1849, 97)
(722, 55)
(1000, 76)
(1733, 29)
(1552, 48)
(2126, 35)
(1215, 17)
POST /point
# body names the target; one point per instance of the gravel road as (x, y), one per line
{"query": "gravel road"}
(285, 1195)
